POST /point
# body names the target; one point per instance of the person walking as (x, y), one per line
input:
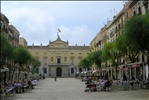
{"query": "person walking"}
(55, 78)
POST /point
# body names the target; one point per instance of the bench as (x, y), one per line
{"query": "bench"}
(9, 90)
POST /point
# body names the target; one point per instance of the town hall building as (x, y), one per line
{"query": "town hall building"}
(58, 59)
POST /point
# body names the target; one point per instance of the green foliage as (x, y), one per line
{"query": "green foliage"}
(94, 57)
(35, 64)
(21, 55)
(125, 47)
(91, 59)
(85, 63)
(6, 50)
(137, 31)
(107, 52)
(122, 44)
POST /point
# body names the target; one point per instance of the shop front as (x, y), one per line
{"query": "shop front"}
(135, 70)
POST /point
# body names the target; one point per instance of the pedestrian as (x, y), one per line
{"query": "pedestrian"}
(55, 78)
(23, 83)
(1, 88)
(40, 76)
(43, 77)
(124, 78)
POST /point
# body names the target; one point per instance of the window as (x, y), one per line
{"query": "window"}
(45, 59)
(58, 60)
(139, 10)
(80, 58)
(37, 70)
(45, 70)
(72, 60)
(80, 69)
(37, 58)
(134, 13)
(116, 29)
(51, 58)
(65, 59)
(72, 70)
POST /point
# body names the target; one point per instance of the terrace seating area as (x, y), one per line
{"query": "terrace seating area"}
(114, 85)
(17, 87)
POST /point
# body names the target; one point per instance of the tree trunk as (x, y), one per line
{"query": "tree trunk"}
(20, 66)
(116, 69)
(13, 70)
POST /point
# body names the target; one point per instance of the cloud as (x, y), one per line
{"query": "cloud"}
(38, 21)
(75, 35)
(32, 23)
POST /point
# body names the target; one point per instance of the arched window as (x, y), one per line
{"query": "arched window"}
(139, 10)
(134, 13)
(58, 59)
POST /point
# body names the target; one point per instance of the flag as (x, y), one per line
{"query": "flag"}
(59, 30)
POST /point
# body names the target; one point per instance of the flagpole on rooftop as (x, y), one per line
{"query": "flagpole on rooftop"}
(58, 31)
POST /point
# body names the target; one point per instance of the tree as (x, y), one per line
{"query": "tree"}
(35, 64)
(111, 53)
(6, 50)
(22, 56)
(85, 63)
(125, 47)
(137, 31)
(95, 58)
(6, 54)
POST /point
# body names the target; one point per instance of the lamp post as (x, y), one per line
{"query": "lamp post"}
(116, 61)
(43, 68)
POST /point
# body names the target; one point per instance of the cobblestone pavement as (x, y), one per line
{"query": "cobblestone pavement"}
(73, 89)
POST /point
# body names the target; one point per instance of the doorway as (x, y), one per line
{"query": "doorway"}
(59, 72)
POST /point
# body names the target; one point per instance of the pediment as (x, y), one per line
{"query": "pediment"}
(58, 43)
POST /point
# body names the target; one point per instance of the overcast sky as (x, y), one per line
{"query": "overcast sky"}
(79, 21)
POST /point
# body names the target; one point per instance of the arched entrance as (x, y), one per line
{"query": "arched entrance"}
(59, 72)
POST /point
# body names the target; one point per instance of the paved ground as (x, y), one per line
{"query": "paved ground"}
(73, 89)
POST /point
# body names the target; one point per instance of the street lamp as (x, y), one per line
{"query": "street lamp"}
(43, 69)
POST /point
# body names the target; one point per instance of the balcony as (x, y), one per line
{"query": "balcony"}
(55, 64)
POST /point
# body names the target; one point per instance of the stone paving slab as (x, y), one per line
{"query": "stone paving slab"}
(73, 89)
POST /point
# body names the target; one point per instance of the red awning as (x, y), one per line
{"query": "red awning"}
(121, 66)
(132, 65)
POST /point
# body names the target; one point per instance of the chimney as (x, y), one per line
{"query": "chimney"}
(41, 45)
(32, 45)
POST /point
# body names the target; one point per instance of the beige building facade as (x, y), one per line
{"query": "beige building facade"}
(114, 29)
(58, 59)
(23, 42)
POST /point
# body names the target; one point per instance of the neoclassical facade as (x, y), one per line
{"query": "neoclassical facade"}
(58, 59)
